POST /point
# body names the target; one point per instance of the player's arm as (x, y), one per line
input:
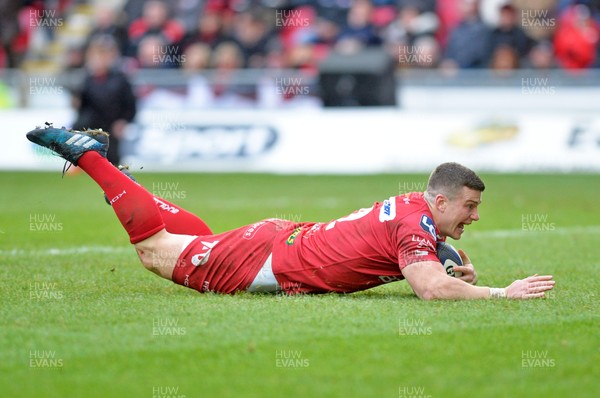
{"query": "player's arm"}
(429, 281)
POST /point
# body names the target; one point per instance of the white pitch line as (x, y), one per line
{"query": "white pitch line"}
(68, 251)
(516, 233)
(500, 233)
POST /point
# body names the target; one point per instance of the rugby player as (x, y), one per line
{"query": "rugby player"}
(387, 242)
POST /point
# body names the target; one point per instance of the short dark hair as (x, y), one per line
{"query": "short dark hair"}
(449, 178)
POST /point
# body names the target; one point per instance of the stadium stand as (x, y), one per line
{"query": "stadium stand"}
(235, 44)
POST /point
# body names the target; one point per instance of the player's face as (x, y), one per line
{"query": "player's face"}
(460, 211)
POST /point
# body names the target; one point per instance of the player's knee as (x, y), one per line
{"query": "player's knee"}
(146, 258)
(160, 252)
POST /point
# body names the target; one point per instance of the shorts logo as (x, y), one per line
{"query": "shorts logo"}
(292, 238)
(202, 257)
(389, 278)
(427, 225)
(388, 210)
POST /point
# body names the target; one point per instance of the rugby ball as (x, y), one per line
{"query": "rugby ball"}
(449, 257)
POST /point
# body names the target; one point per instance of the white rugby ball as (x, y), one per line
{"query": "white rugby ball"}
(449, 258)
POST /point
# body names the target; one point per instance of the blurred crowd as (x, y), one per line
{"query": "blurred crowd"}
(210, 40)
(297, 34)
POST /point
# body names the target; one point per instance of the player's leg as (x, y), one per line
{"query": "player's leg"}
(177, 220)
(137, 211)
(134, 206)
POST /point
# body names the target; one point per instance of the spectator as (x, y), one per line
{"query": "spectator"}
(490, 10)
(576, 38)
(509, 33)
(504, 60)
(326, 32)
(153, 53)
(10, 30)
(429, 55)
(154, 22)
(106, 99)
(469, 41)
(358, 32)
(132, 10)
(252, 35)
(227, 59)
(106, 23)
(188, 12)
(410, 25)
(209, 30)
(541, 57)
(537, 18)
(197, 60)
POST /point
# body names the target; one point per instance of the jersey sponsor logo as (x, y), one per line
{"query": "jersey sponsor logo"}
(290, 240)
(202, 257)
(388, 210)
(427, 225)
(422, 242)
(251, 231)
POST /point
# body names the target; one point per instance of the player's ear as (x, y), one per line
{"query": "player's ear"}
(441, 202)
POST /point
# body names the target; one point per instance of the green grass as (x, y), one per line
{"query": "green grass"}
(98, 309)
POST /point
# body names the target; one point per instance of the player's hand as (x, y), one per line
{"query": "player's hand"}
(531, 287)
(469, 274)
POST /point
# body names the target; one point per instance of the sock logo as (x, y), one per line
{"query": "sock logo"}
(202, 257)
(166, 207)
(113, 200)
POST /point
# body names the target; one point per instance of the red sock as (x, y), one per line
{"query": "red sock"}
(134, 206)
(180, 221)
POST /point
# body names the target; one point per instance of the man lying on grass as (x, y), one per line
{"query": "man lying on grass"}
(388, 242)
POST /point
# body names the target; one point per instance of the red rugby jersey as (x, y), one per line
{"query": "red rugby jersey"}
(365, 249)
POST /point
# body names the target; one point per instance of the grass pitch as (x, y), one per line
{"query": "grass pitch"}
(81, 317)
